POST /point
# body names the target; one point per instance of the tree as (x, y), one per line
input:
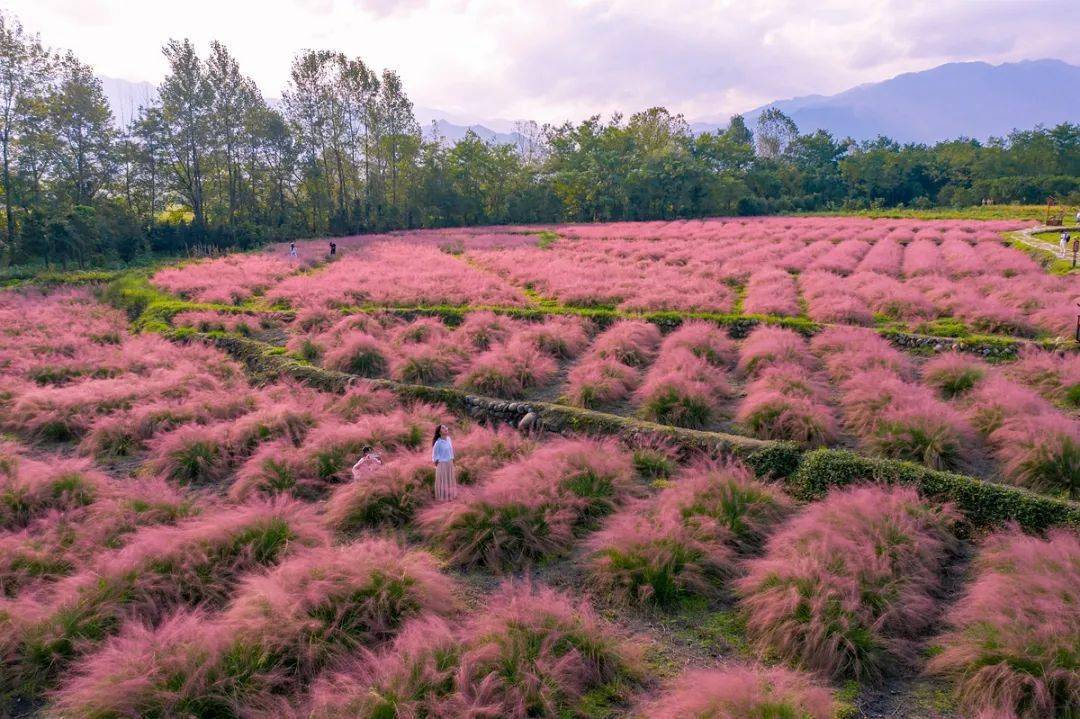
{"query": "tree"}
(83, 126)
(24, 67)
(775, 132)
(186, 105)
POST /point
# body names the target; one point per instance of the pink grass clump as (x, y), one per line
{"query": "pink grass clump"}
(482, 330)
(388, 496)
(682, 389)
(1054, 376)
(210, 321)
(830, 298)
(900, 420)
(560, 337)
(1011, 645)
(997, 399)
(594, 381)
(771, 292)
(846, 351)
(788, 402)
(772, 345)
(426, 364)
(532, 508)
(359, 354)
(1041, 452)
(33, 488)
(739, 692)
(509, 370)
(278, 632)
(703, 339)
(883, 257)
(198, 561)
(685, 541)
(531, 652)
(632, 342)
(845, 588)
(953, 374)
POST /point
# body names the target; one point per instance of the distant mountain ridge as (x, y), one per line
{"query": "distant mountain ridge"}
(963, 99)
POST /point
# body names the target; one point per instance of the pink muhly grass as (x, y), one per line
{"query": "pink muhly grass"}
(682, 389)
(359, 354)
(953, 374)
(361, 399)
(388, 496)
(481, 450)
(704, 339)
(725, 503)
(769, 414)
(632, 342)
(532, 508)
(278, 632)
(209, 321)
(426, 364)
(532, 652)
(1054, 376)
(597, 381)
(772, 345)
(847, 351)
(1041, 452)
(195, 562)
(191, 454)
(842, 258)
(482, 330)
(1013, 635)
(923, 257)
(655, 558)
(831, 298)
(996, 399)
(275, 468)
(421, 331)
(508, 370)
(884, 256)
(738, 692)
(846, 587)
(34, 488)
(900, 420)
(560, 337)
(771, 292)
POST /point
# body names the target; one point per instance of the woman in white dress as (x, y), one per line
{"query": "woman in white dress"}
(442, 454)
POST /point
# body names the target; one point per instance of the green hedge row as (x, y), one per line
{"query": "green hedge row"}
(985, 504)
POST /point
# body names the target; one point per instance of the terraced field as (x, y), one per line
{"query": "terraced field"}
(813, 467)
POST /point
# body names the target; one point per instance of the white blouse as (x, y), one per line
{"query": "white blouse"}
(442, 450)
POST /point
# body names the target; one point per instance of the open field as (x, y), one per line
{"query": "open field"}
(791, 467)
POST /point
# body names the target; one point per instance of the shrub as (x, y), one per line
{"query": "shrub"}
(191, 454)
(631, 342)
(532, 508)
(599, 380)
(772, 345)
(193, 563)
(508, 371)
(360, 354)
(531, 652)
(1011, 646)
(741, 693)
(682, 389)
(641, 557)
(846, 587)
(953, 374)
(703, 339)
(996, 400)
(727, 502)
(773, 415)
(388, 496)
(483, 330)
(277, 633)
(1041, 452)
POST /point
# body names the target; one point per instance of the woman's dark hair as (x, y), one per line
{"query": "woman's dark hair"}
(438, 433)
(366, 450)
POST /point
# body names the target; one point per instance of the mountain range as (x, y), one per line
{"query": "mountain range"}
(964, 99)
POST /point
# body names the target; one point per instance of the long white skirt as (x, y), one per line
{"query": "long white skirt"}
(445, 484)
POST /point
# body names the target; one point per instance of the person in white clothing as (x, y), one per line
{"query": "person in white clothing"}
(368, 462)
(1064, 242)
(442, 454)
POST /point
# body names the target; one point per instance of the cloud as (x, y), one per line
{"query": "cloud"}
(566, 59)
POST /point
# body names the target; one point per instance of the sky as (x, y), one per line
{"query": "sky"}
(557, 60)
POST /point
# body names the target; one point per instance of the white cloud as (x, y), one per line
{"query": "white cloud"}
(558, 59)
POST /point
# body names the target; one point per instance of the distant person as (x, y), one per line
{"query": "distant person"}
(368, 463)
(442, 454)
(292, 249)
(333, 249)
(1064, 242)
(1078, 217)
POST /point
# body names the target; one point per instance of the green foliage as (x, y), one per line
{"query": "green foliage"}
(985, 504)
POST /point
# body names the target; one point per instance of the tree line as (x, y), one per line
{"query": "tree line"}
(210, 163)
